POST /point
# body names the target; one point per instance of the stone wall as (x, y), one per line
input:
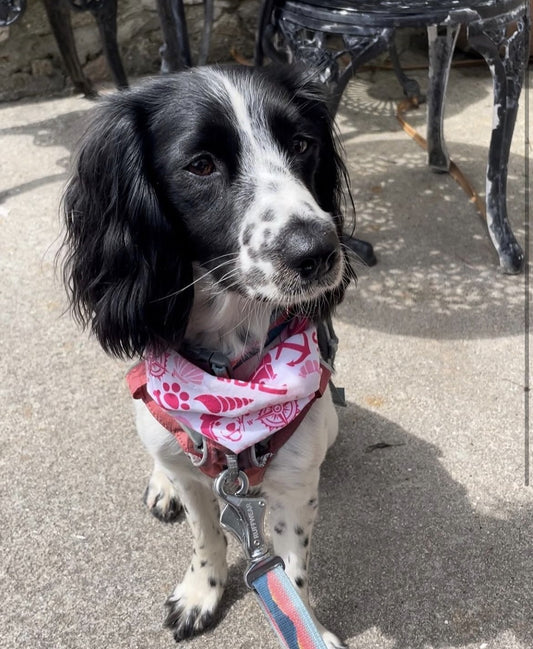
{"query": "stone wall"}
(30, 63)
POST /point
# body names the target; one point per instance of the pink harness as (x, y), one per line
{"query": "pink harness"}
(233, 416)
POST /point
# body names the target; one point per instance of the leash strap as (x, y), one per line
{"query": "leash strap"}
(244, 516)
(286, 612)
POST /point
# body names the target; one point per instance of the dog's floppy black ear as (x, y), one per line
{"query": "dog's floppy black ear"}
(311, 98)
(126, 267)
(331, 177)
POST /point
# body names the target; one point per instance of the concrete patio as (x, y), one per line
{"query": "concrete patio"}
(423, 541)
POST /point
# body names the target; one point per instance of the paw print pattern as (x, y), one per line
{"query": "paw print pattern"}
(172, 397)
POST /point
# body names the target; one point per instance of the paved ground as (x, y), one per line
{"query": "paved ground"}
(425, 544)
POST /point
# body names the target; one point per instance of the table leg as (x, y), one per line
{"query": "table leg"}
(506, 57)
(441, 45)
(411, 87)
(361, 48)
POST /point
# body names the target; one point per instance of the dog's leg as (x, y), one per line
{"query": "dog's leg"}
(161, 496)
(192, 605)
(291, 486)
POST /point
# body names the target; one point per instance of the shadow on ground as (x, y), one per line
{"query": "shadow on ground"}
(411, 554)
(434, 252)
(63, 131)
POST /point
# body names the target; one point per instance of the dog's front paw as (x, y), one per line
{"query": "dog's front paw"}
(192, 606)
(161, 498)
(332, 641)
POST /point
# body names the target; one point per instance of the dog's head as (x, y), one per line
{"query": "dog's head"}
(231, 170)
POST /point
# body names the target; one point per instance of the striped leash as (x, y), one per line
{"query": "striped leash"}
(244, 517)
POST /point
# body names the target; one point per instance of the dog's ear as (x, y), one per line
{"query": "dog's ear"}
(311, 99)
(126, 266)
(331, 177)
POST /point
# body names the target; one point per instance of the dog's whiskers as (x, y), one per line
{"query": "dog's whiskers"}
(252, 306)
(209, 272)
(221, 286)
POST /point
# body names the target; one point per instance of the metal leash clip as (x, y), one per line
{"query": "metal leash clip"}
(244, 517)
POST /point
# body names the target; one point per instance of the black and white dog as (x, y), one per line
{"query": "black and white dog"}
(203, 205)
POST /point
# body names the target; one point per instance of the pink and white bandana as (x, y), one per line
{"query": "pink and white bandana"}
(238, 414)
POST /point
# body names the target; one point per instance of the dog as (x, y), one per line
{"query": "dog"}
(202, 207)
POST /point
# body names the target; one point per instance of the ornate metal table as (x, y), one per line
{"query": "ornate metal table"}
(338, 36)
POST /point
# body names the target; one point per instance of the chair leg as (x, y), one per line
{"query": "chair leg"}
(209, 16)
(105, 15)
(58, 12)
(441, 47)
(506, 58)
(175, 53)
(262, 26)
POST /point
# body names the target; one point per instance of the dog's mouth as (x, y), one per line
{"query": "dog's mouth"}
(279, 282)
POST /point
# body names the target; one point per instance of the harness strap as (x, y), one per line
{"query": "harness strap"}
(286, 612)
(328, 344)
(210, 456)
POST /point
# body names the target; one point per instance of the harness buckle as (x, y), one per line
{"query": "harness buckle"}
(259, 460)
(199, 445)
(244, 517)
(199, 461)
(220, 365)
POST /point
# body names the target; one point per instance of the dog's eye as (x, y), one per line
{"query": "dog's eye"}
(203, 166)
(300, 145)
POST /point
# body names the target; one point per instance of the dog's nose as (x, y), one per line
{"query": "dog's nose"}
(310, 251)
